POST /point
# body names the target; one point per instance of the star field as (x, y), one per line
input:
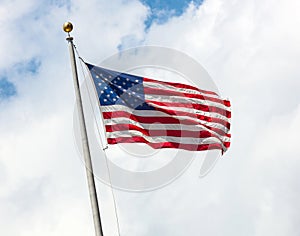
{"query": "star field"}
(119, 88)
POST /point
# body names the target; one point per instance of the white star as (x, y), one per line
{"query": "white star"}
(127, 79)
(111, 92)
(108, 95)
(102, 91)
(136, 81)
(118, 78)
(99, 84)
(114, 99)
(104, 100)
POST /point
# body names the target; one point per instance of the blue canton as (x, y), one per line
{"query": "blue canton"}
(114, 88)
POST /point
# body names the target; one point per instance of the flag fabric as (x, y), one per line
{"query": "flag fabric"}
(160, 114)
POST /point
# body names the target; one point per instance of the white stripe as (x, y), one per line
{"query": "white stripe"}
(158, 126)
(154, 113)
(176, 89)
(184, 100)
(192, 111)
(112, 108)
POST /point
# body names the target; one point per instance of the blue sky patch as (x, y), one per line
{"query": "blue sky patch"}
(60, 3)
(32, 66)
(21, 69)
(7, 88)
(161, 10)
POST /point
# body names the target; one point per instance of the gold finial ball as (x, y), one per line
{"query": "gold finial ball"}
(68, 27)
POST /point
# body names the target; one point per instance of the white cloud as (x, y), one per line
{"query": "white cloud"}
(251, 50)
(43, 186)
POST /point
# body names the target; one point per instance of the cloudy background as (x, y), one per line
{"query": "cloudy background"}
(251, 50)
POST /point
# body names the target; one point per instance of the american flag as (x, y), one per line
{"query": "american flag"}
(160, 114)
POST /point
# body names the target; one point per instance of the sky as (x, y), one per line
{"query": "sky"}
(250, 49)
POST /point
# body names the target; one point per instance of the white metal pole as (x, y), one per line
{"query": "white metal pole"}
(85, 144)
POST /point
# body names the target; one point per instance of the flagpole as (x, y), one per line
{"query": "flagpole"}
(68, 27)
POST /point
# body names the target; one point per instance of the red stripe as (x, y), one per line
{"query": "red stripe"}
(199, 107)
(179, 85)
(155, 133)
(189, 147)
(193, 115)
(165, 92)
(161, 120)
